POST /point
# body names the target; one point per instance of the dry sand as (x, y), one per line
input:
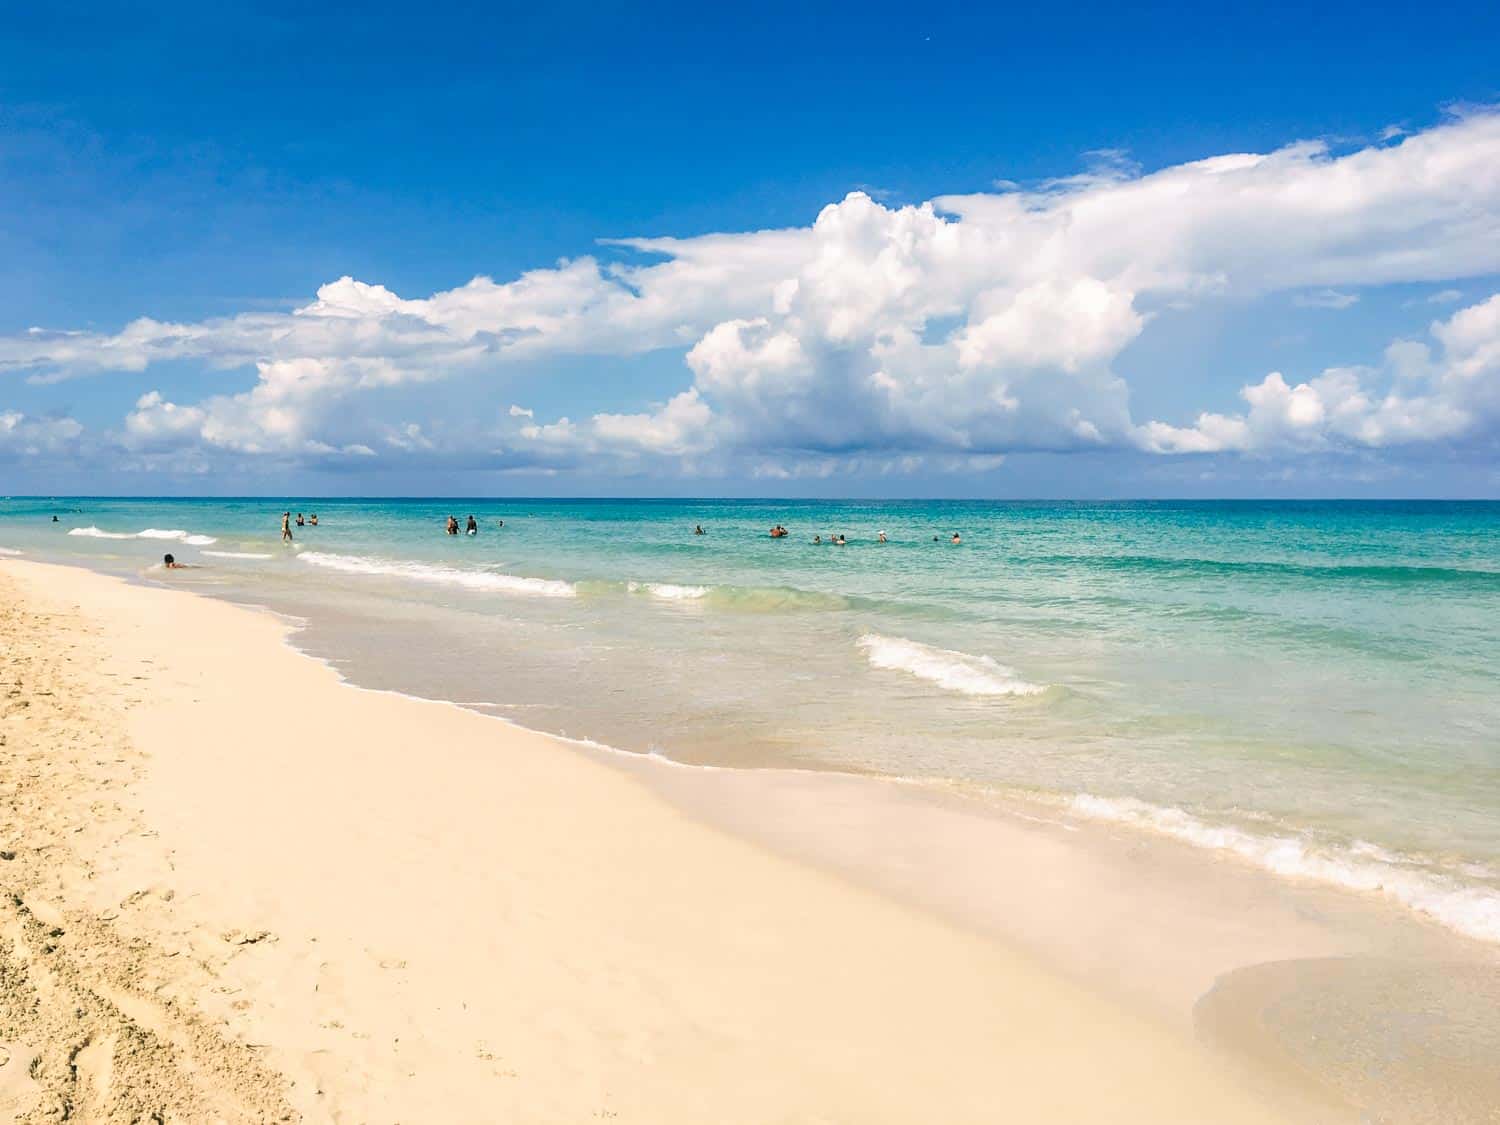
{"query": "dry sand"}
(238, 889)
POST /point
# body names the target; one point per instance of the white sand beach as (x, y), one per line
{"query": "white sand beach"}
(239, 889)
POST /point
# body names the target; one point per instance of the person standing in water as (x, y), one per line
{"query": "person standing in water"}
(286, 527)
(313, 519)
(472, 527)
(452, 526)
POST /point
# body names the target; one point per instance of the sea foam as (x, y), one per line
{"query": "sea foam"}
(97, 533)
(667, 591)
(953, 671)
(179, 535)
(149, 533)
(238, 554)
(10, 551)
(1473, 911)
(433, 574)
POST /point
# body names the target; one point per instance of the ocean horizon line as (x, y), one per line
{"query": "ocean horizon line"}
(719, 499)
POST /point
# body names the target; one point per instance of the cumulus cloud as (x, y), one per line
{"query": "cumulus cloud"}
(963, 328)
(21, 435)
(1447, 394)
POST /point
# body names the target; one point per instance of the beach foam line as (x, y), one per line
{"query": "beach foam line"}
(668, 591)
(434, 574)
(97, 533)
(181, 536)
(953, 671)
(238, 554)
(10, 551)
(1473, 911)
(739, 599)
(149, 533)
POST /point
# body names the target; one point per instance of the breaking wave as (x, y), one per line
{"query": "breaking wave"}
(238, 555)
(667, 591)
(180, 536)
(92, 532)
(1473, 911)
(953, 671)
(483, 580)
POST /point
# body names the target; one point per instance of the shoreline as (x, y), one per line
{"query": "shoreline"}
(1143, 926)
(411, 910)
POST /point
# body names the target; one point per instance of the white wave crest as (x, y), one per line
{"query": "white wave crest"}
(952, 671)
(148, 533)
(183, 536)
(1473, 911)
(10, 551)
(668, 592)
(443, 575)
(237, 554)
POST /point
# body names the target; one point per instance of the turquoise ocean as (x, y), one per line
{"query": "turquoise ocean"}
(1311, 686)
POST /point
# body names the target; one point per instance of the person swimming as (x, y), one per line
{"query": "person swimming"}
(840, 541)
(880, 535)
(172, 564)
(955, 538)
(472, 527)
(452, 526)
(778, 532)
(286, 527)
(54, 519)
(698, 530)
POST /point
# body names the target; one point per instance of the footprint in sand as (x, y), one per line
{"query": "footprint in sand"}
(19, 1092)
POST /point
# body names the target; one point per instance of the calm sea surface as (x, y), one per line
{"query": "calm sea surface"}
(1313, 686)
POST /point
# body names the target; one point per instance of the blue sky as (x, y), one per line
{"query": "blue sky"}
(213, 165)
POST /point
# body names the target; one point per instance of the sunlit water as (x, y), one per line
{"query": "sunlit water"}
(1312, 686)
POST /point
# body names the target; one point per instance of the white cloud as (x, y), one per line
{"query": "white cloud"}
(966, 327)
(21, 435)
(1452, 397)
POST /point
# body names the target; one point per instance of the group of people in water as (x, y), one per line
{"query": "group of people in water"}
(470, 528)
(836, 540)
(840, 540)
(286, 524)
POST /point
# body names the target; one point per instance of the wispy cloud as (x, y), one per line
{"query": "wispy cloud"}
(1326, 299)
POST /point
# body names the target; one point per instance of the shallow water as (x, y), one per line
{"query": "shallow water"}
(1312, 687)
